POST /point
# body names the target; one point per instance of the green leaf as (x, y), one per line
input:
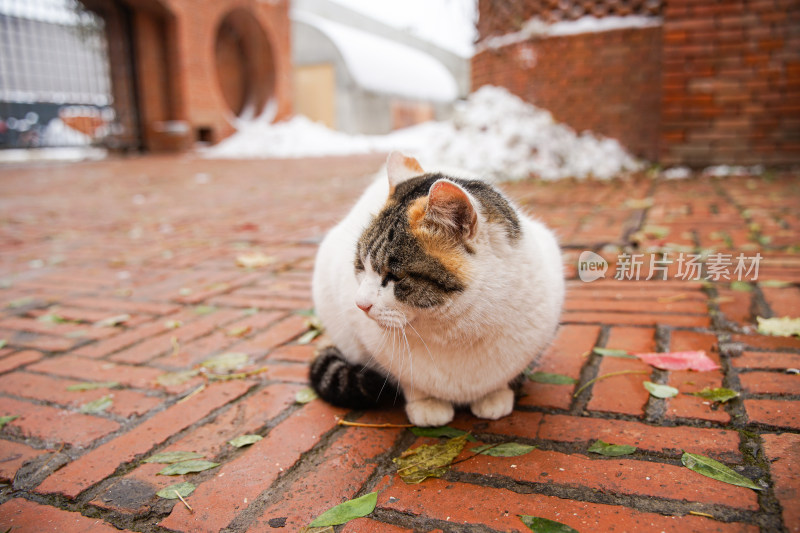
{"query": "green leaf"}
(3, 343)
(442, 432)
(92, 386)
(305, 395)
(418, 464)
(611, 450)
(244, 440)
(52, 318)
(344, 512)
(204, 309)
(506, 449)
(168, 458)
(184, 489)
(538, 524)
(741, 286)
(309, 336)
(782, 327)
(226, 362)
(660, 391)
(611, 352)
(719, 394)
(186, 467)
(716, 470)
(176, 378)
(112, 321)
(6, 419)
(97, 406)
(554, 379)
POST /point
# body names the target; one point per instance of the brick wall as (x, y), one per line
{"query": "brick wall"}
(718, 82)
(594, 81)
(731, 71)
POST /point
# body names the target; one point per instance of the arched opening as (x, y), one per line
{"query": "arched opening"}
(245, 65)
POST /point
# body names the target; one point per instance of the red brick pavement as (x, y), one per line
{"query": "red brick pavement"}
(157, 239)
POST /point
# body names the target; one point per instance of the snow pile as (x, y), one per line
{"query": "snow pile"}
(492, 134)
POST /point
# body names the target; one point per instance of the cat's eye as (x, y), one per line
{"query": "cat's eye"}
(388, 278)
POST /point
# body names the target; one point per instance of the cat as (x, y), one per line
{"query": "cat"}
(437, 288)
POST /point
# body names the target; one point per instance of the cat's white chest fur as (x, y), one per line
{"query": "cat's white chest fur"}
(465, 349)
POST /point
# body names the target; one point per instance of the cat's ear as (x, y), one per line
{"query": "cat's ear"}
(401, 168)
(450, 207)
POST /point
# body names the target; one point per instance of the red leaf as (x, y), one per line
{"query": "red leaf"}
(694, 360)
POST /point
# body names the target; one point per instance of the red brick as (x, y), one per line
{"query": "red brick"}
(46, 328)
(125, 402)
(293, 352)
(767, 342)
(614, 476)
(217, 501)
(90, 370)
(346, 465)
(54, 425)
(499, 509)
(25, 516)
(162, 344)
(123, 340)
(281, 333)
(12, 456)
(686, 406)
(245, 417)
(784, 301)
(770, 383)
(123, 306)
(637, 319)
(624, 393)
(783, 451)
(779, 413)
(719, 443)
(565, 356)
(367, 525)
(101, 462)
(768, 360)
(18, 359)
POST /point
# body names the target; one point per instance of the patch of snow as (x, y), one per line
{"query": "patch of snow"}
(386, 66)
(677, 173)
(24, 155)
(537, 28)
(492, 134)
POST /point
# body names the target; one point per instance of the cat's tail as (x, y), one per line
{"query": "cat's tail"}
(342, 383)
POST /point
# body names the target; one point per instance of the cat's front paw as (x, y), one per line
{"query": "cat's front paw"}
(429, 412)
(494, 405)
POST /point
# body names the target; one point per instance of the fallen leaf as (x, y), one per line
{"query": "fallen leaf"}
(690, 360)
(442, 432)
(204, 309)
(305, 395)
(309, 336)
(660, 391)
(244, 440)
(719, 394)
(344, 512)
(639, 203)
(226, 362)
(169, 493)
(97, 406)
(774, 283)
(741, 286)
(173, 324)
(3, 343)
(716, 470)
(180, 377)
(254, 260)
(20, 302)
(781, 327)
(429, 460)
(611, 352)
(168, 458)
(538, 524)
(53, 318)
(6, 419)
(92, 386)
(611, 450)
(186, 467)
(112, 321)
(241, 331)
(553, 379)
(506, 449)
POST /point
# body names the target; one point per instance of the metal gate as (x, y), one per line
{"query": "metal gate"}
(62, 82)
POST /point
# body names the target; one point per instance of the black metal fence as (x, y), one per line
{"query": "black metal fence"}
(55, 76)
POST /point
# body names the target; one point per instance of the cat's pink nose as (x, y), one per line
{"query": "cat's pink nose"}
(364, 306)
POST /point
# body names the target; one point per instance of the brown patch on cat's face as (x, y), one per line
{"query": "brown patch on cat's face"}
(436, 244)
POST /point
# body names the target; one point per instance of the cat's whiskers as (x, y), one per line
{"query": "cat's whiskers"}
(410, 358)
(424, 344)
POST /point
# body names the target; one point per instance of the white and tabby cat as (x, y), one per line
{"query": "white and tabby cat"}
(438, 286)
